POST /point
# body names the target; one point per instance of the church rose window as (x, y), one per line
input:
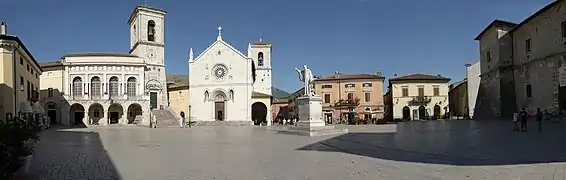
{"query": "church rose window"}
(219, 71)
(77, 86)
(95, 87)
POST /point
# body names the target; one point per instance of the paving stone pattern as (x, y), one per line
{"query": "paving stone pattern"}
(432, 150)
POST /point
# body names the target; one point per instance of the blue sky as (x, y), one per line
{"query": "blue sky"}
(350, 36)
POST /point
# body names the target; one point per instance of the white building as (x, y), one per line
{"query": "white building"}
(473, 72)
(228, 87)
(110, 88)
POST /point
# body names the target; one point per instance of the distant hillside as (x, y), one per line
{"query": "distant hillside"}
(183, 80)
(278, 93)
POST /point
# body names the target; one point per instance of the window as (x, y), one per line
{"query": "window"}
(563, 29)
(528, 46)
(350, 95)
(21, 80)
(151, 30)
(436, 91)
(488, 56)
(131, 87)
(36, 75)
(28, 67)
(50, 92)
(327, 86)
(96, 113)
(367, 97)
(28, 90)
(95, 87)
(349, 85)
(113, 86)
(421, 91)
(326, 98)
(528, 90)
(366, 85)
(32, 71)
(260, 59)
(21, 61)
(405, 91)
(77, 86)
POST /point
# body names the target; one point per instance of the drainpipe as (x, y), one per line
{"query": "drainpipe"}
(14, 78)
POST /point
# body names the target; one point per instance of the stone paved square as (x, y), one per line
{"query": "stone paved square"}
(423, 150)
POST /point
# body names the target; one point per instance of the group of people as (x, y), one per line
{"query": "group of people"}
(523, 116)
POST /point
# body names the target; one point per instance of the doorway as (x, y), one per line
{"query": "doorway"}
(219, 108)
(436, 112)
(52, 114)
(114, 117)
(259, 113)
(406, 113)
(153, 100)
(422, 113)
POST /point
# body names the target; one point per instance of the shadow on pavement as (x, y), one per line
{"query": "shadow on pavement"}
(72, 154)
(464, 143)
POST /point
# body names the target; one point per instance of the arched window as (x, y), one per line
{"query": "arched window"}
(260, 59)
(77, 86)
(113, 86)
(131, 86)
(95, 87)
(151, 30)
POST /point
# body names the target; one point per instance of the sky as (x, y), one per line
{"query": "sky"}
(350, 36)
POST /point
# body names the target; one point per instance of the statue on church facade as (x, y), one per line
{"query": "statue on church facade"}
(306, 76)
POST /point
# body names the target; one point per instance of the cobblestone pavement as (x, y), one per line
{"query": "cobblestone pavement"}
(451, 150)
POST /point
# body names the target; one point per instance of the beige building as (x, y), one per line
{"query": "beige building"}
(292, 103)
(417, 96)
(351, 96)
(19, 74)
(178, 97)
(522, 63)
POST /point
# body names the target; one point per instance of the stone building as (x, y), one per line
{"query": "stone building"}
(458, 99)
(19, 74)
(111, 88)
(521, 64)
(228, 87)
(417, 96)
(350, 96)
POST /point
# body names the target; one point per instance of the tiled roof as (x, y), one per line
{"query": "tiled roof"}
(496, 22)
(22, 45)
(420, 77)
(348, 77)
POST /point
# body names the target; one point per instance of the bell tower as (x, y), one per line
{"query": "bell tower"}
(260, 52)
(147, 41)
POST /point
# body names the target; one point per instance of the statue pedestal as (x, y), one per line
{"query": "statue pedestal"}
(310, 119)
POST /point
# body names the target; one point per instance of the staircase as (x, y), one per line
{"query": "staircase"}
(165, 118)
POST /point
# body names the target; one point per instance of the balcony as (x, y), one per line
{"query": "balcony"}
(419, 100)
(107, 97)
(347, 103)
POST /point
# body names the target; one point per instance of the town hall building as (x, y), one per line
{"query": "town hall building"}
(110, 88)
(228, 87)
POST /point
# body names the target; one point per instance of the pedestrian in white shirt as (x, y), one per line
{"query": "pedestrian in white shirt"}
(515, 121)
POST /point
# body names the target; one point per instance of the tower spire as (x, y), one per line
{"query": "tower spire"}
(249, 49)
(219, 33)
(191, 55)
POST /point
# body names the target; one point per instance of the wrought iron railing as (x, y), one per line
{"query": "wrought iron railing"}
(347, 102)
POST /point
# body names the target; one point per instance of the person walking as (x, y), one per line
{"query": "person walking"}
(524, 114)
(182, 120)
(515, 121)
(539, 120)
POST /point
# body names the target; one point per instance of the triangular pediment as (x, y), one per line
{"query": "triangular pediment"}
(221, 43)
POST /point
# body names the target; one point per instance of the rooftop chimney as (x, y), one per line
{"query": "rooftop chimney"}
(439, 75)
(3, 28)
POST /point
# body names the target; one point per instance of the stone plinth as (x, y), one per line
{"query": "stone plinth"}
(310, 119)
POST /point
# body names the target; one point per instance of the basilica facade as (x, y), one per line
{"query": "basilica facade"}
(228, 87)
(110, 88)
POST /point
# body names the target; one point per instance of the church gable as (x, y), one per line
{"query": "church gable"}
(220, 49)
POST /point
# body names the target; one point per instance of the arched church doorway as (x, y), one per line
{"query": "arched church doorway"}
(95, 113)
(259, 113)
(134, 111)
(219, 106)
(422, 113)
(406, 113)
(77, 114)
(436, 112)
(115, 112)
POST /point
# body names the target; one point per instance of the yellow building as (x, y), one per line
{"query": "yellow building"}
(178, 97)
(417, 96)
(19, 74)
(292, 101)
(351, 96)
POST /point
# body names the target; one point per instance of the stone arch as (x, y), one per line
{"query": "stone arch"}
(134, 112)
(219, 95)
(77, 114)
(406, 113)
(95, 113)
(259, 113)
(115, 113)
